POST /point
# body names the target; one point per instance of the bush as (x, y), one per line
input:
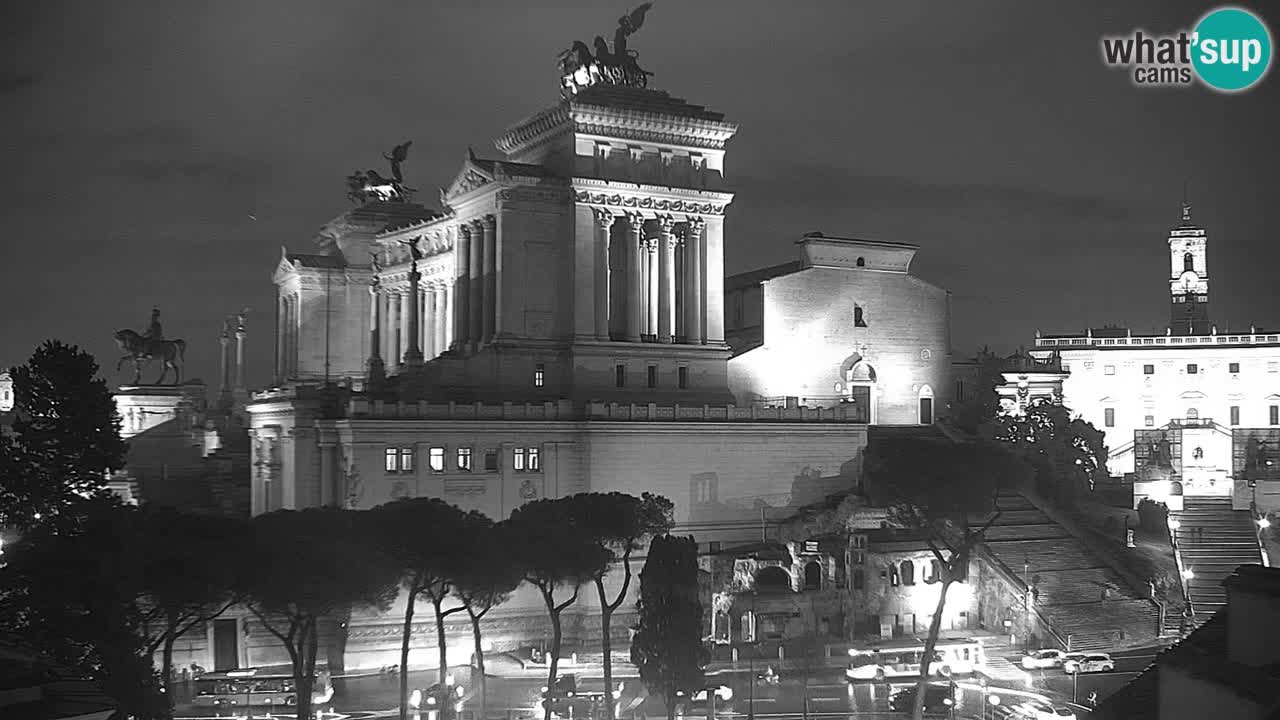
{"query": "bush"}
(1153, 516)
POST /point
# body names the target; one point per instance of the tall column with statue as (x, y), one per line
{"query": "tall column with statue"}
(413, 353)
(377, 373)
(604, 221)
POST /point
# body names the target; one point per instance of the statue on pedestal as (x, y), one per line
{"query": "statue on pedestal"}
(370, 185)
(143, 347)
(580, 70)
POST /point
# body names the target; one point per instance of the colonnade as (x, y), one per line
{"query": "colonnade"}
(649, 278)
(394, 322)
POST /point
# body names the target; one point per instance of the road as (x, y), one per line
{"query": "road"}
(827, 692)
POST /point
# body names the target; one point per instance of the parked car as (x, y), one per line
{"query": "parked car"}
(1037, 710)
(1042, 659)
(1089, 663)
(937, 699)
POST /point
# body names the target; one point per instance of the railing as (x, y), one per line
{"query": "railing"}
(564, 410)
(1012, 578)
(1172, 527)
(1131, 340)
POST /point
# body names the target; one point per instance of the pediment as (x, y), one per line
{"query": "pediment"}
(1193, 395)
(284, 268)
(471, 176)
(1273, 397)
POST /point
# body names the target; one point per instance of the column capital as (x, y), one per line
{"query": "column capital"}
(490, 222)
(666, 223)
(604, 217)
(695, 224)
(635, 221)
(464, 229)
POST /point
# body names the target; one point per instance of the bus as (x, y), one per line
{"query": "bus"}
(256, 687)
(895, 660)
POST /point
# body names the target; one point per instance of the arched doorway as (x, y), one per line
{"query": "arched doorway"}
(813, 576)
(773, 579)
(925, 397)
(858, 381)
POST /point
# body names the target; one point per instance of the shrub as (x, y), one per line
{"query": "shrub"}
(1152, 515)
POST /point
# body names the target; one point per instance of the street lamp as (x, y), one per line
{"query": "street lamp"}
(1188, 575)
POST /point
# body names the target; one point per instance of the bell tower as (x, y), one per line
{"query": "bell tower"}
(1188, 278)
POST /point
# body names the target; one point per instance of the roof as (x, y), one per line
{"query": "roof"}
(759, 551)
(819, 235)
(643, 100)
(505, 167)
(318, 261)
(755, 277)
(388, 215)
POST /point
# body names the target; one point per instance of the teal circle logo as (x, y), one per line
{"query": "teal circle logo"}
(1231, 49)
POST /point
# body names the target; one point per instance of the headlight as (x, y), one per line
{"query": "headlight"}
(726, 693)
(431, 700)
(459, 691)
(415, 698)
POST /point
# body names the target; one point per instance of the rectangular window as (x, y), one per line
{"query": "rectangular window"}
(539, 375)
(464, 459)
(858, 557)
(406, 459)
(1149, 421)
(682, 377)
(1192, 368)
(811, 546)
(535, 459)
(653, 376)
(491, 461)
(860, 541)
(620, 375)
(1233, 367)
(392, 462)
(517, 460)
(1109, 369)
(436, 459)
(1275, 414)
(1235, 414)
(1148, 369)
(1109, 417)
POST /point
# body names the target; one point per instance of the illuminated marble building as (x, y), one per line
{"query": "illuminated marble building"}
(1205, 394)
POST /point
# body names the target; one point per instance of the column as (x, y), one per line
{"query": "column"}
(224, 381)
(446, 318)
(693, 305)
(635, 224)
(462, 288)
(651, 278)
(282, 325)
(429, 322)
(713, 280)
(395, 329)
(412, 329)
(376, 369)
(475, 301)
(666, 279)
(604, 221)
(240, 335)
(490, 225)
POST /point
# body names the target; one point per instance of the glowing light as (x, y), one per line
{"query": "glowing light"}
(459, 691)
(993, 699)
(415, 699)
(1264, 523)
(726, 693)
(1174, 524)
(1187, 574)
(448, 680)
(486, 645)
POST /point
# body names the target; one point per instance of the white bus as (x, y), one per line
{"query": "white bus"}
(902, 659)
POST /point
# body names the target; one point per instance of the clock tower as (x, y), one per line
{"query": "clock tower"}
(1188, 278)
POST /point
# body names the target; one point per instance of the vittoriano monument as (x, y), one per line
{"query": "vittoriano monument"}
(143, 347)
(367, 186)
(580, 69)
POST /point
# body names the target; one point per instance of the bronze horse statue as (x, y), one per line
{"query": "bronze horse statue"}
(141, 350)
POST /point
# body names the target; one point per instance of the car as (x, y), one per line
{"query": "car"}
(1038, 710)
(937, 699)
(441, 700)
(1089, 663)
(1042, 659)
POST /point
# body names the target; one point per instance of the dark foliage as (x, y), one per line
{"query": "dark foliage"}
(1068, 454)
(487, 576)
(1153, 516)
(667, 647)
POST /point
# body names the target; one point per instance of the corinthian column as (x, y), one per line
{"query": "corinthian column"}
(489, 302)
(475, 303)
(651, 283)
(462, 288)
(413, 352)
(604, 222)
(635, 224)
(666, 279)
(376, 371)
(693, 264)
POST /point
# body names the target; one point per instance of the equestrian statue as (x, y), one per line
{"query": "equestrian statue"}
(370, 185)
(144, 347)
(580, 69)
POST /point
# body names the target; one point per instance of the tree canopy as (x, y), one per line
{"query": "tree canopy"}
(1068, 453)
(667, 647)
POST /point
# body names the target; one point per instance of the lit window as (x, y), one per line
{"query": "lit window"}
(1109, 417)
(908, 572)
(811, 546)
(464, 459)
(517, 460)
(392, 462)
(436, 459)
(1149, 421)
(893, 575)
(491, 461)
(860, 541)
(1235, 414)
(535, 460)
(1275, 414)
(1109, 369)
(682, 377)
(1148, 369)
(406, 459)
(653, 376)
(539, 375)
(858, 319)
(620, 375)
(1192, 368)
(1233, 367)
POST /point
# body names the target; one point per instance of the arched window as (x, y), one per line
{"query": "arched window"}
(773, 578)
(894, 579)
(1188, 262)
(908, 572)
(858, 319)
(862, 262)
(1193, 414)
(1175, 488)
(934, 572)
(859, 579)
(926, 405)
(813, 576)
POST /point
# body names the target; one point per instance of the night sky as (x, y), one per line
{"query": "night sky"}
(161, 153)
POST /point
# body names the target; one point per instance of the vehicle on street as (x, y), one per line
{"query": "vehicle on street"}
(1043, 659)
(938, 698)
(439, 701)
(256, 687)
(1089, 663)
(699, 705)
(950, 657)
(1037, 710)
(565, 699)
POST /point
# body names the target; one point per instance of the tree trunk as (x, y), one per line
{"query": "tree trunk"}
(305, 680)
(475, 632)
(166, 667)
(404, 653)
(935, 625)
(671, 708)
(606, 645)
(554, 664)
(444, 648)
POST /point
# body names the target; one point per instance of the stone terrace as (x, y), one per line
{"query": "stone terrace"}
(1083, 599)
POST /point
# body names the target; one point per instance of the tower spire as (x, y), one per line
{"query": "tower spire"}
(1186, 204)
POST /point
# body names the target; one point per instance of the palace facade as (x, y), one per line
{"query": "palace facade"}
(1194, 410)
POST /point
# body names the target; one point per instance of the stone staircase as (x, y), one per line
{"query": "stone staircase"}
(1213, 540)
(1085, 602)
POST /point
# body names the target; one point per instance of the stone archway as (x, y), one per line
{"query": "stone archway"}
(772, 579)
(857, 385)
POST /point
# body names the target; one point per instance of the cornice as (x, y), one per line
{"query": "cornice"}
(655, 198)
(532, 130)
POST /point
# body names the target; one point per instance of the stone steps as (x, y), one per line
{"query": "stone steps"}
(1026, 532)
(1048, 554)
(1213, 540)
